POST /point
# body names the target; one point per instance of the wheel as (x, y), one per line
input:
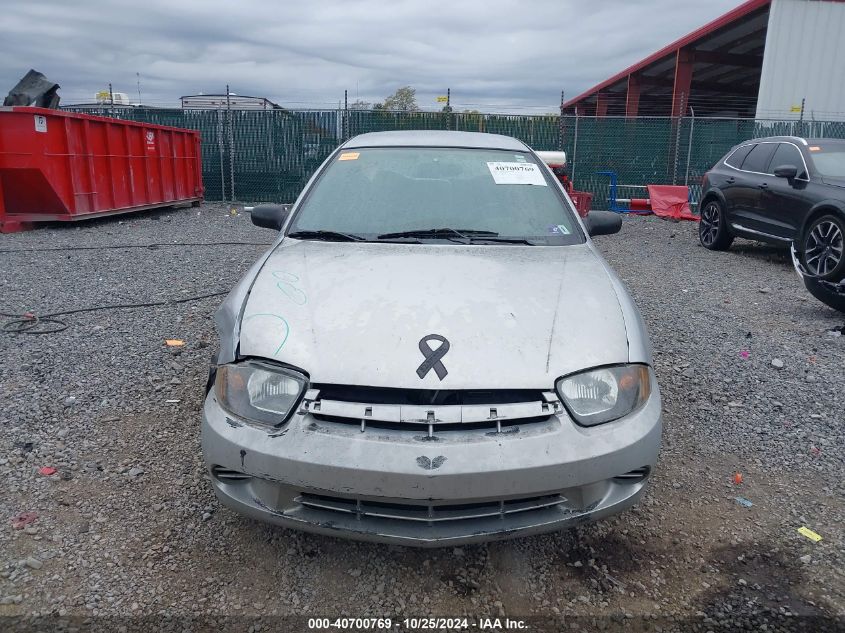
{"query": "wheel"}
(822, 250)
(713, 227)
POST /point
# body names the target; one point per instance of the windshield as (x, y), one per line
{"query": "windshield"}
(829, 159)
(495, 194)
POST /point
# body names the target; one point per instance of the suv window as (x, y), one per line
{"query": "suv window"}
(788, 154)
(829, 158)
(758, 158)
(738, 155)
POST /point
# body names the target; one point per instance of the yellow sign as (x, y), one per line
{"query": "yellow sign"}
(805, 531)
(442, 99)
(349, 156)
(795, 109)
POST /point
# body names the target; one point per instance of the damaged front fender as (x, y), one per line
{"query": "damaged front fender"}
(227, 319)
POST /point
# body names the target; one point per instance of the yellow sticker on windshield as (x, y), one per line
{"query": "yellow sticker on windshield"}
(814, 148)
(349, 156)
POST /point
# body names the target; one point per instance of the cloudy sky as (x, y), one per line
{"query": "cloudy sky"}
(494, 55)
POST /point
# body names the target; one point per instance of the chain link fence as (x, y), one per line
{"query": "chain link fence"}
(268, 155)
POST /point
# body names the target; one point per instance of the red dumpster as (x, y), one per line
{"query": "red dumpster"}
(58, 165)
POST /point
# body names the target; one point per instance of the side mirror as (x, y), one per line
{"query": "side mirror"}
(603, 223)
(786, 171)
(270, 216)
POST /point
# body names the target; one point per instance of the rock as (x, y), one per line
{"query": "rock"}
(777, 363)
(765, 290)
(135, 471)
(33, 563)
(355, 573)
(806, 559)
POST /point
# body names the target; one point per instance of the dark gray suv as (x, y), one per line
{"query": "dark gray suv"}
(781, 189)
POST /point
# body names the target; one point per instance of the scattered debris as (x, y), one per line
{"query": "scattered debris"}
(744, 353)
(174, 342)
(837, 331)
(47, 471)
(815, 450)
(23, 519)
(777, 363)
(172, 401)
(805, 531)
(745, 503)
(737, 478)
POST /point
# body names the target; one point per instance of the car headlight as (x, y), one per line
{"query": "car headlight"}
(602, 395)
(258, 392)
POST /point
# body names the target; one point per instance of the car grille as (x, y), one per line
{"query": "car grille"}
(633, 476)
(430, 411)
(430, 513)
(227, 475)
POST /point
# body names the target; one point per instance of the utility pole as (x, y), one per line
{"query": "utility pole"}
(231, 147)
(345, 125)
(801, 118)
(560, 124)
(138, 82)
(111, 100)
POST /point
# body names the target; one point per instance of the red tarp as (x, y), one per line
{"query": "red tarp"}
(671, 201)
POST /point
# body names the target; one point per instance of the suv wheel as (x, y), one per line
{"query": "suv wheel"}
(822, 248)
(713, 227)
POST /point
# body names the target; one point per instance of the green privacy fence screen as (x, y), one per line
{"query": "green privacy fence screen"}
(268, 155)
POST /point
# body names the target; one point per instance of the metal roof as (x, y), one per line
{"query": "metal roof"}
(436, 138)
(727, 60)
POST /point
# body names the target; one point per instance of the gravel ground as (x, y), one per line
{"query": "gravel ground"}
(128, 524)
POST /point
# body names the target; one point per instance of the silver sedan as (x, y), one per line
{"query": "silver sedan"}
(432, 353)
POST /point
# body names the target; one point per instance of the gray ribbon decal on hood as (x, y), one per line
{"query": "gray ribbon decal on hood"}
(433, 356)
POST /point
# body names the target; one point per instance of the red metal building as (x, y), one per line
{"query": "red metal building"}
(716, 69)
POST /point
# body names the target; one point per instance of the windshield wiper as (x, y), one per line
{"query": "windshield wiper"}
(468, 235)
(464, 234)
(328, 236)
(503, 240)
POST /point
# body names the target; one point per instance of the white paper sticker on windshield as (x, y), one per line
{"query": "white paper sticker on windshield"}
(516, 174)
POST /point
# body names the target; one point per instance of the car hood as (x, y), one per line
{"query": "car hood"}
(515, 317)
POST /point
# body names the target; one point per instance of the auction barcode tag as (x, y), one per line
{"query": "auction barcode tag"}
(516, 174)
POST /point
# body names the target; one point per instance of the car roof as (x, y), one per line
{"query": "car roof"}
(799, 140)
(436, 138)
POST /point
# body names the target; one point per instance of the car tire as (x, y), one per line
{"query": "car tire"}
(821, 248)
(713, 230)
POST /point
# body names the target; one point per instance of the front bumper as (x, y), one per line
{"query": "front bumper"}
(828, 292)
(458, 487)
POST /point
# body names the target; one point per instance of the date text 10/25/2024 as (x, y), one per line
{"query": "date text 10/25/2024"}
(416, 624)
